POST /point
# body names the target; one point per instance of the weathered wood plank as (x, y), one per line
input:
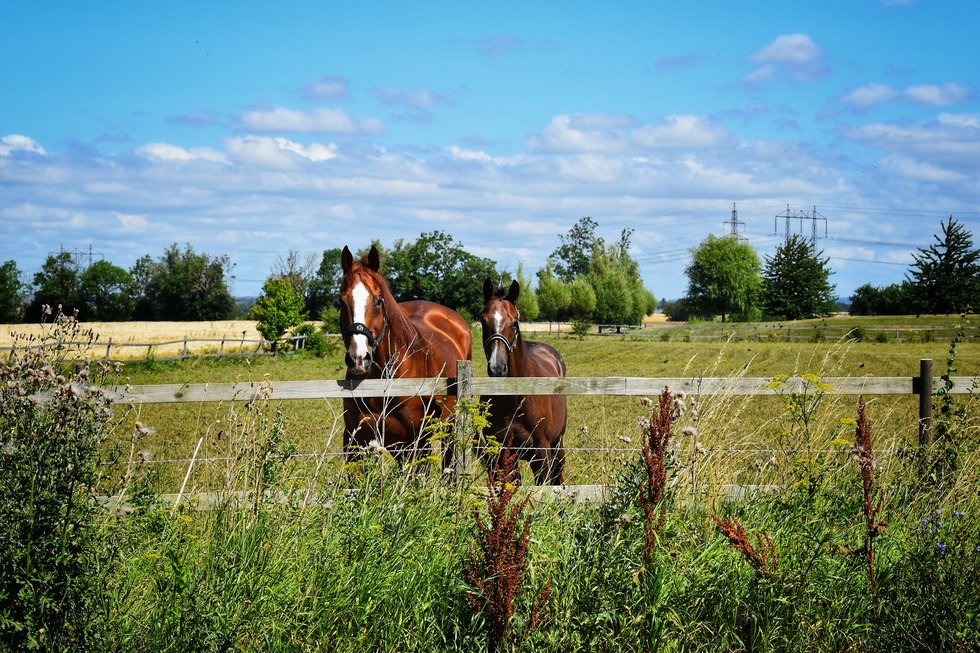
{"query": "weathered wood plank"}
(613, 386)
(213, 392)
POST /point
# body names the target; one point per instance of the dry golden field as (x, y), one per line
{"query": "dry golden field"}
(126, 336)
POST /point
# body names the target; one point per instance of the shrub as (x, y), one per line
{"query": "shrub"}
(316, 342)
(330, 317)
(278, 309)
(54, 425)
(581, 327)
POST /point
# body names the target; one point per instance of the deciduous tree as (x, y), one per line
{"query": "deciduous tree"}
(278, 309)
(183, 286)
(11, 293)
(324, 287)
(554, 295)
(56, 284)
(437, 268)
(723, 279)
(573, 258)
(107, 292)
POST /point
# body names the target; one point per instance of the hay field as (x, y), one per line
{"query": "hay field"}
(126, 336)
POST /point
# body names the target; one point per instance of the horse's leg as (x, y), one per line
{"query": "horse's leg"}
(556, 474)
(541, 462)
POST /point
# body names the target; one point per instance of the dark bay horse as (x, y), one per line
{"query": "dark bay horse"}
(534, 424)
(385, 339)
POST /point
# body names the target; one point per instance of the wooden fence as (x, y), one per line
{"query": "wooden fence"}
(465, 385)
(169, 350)
(111, 351)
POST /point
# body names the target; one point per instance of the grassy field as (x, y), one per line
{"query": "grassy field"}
(741, 434)
(852, 548)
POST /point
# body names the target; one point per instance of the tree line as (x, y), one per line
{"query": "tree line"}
(585, 280)
(726, 279)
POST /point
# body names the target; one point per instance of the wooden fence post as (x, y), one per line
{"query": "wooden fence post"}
(108, 347)
(464, 437)
(924, 390)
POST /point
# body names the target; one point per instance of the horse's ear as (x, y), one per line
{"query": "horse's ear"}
(513, 292)
(346, 259)
(487, 289)
(374, 259)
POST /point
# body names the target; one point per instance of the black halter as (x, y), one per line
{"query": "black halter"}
(361, 329)
(499, 336)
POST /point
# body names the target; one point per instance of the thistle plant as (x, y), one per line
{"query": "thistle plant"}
(54, 425)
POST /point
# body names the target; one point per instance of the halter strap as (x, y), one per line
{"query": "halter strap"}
(361, 329)
(508, 344)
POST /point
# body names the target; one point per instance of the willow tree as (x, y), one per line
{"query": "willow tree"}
(724, 279)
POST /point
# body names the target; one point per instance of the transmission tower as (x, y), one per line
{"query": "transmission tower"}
(790, 215)
(734, 222)
(81, 258)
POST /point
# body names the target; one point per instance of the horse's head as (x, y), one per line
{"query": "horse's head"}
(363, 315)
(501, 326)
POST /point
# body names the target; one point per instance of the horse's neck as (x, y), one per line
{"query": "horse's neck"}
(519, 358)
(400, 339)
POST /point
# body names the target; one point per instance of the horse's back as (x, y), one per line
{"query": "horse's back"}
(443, 328)
(544, 360)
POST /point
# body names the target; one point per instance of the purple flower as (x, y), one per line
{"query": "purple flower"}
(941, 548)
(924, 522)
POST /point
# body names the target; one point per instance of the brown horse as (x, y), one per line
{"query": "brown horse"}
(534, 424)
(385, 339)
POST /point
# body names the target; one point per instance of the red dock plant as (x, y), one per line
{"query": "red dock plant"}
(497, 562)
(763, 559)
(656, 438)
(863, 453)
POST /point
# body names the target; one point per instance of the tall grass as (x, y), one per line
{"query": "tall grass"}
(327, 556)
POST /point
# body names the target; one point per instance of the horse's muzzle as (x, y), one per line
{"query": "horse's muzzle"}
(359, 364)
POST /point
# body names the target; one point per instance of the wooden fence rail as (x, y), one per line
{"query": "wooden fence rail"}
(923, 385)
(189, 347)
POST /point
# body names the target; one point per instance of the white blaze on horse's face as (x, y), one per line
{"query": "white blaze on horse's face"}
(498, 361)
(359, 350)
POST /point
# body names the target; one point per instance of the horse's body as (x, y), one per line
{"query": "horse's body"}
(533, 425)
(385, 339)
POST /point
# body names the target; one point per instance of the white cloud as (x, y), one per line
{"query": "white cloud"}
(322, 120)
(168, 152)
(949, 139)
(938, 96)
(330, 88)
(277, 152)
(131, 222)
(580, 134)
(918, 170)
(468, 155)
(959, 120)
(14, 142)
(421, 98)
(869, 94)
(795, 54)
(682, 131)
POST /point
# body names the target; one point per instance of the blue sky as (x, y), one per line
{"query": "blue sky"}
(250, 129)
